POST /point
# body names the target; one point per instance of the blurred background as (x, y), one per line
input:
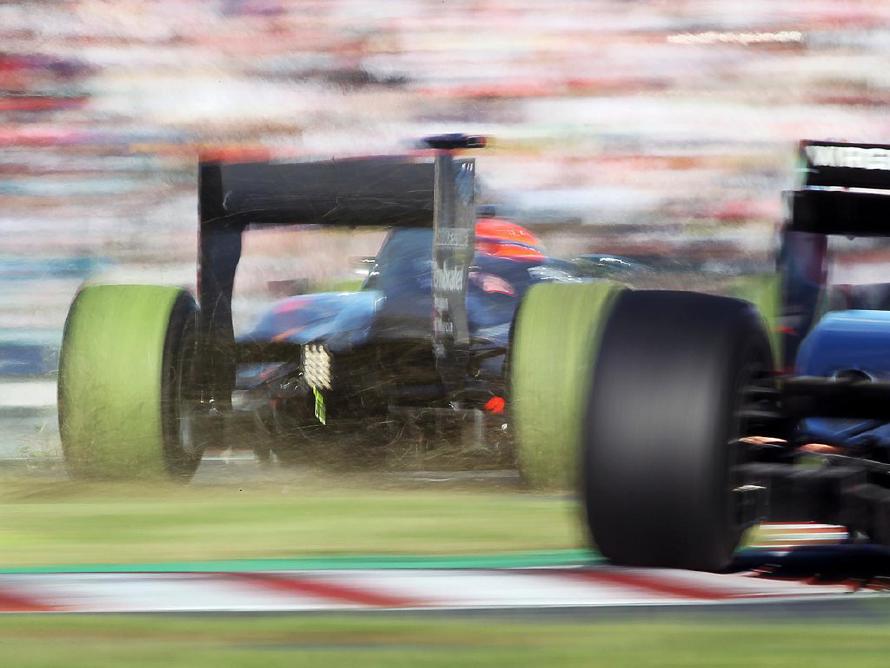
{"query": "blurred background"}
(656, 129)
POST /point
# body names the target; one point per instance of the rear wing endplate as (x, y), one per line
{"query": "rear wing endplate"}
(845, 190)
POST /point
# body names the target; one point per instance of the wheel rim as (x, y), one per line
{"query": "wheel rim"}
(753, 410)
(183, 447)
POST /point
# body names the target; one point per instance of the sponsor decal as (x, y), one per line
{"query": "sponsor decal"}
(452, 238)
(850, 157)
(449, 279)
(443, 326)
(454, 223)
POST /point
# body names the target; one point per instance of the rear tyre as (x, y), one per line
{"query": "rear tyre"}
(127, 395)
(555, 335)
(660, 435)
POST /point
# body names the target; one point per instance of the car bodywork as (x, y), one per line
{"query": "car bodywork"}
(430, 327)
(382, 335)
(839, 332)
(834, 388)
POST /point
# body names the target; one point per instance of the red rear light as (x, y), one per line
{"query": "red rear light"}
(496, 405)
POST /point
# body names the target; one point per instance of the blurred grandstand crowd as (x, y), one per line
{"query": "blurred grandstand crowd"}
(665, 127)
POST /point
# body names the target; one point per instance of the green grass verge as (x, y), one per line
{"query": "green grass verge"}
(98, 641)
(341, 285)
(63, 522)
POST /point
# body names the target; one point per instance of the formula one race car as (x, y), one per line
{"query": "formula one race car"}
(686, 417)
(696, 427)
(148, 379)
(358, 368)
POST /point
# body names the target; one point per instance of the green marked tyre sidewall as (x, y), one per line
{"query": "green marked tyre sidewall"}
(111, 372)
(555, 341)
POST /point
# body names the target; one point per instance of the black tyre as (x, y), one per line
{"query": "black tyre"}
(661, 428)
(187, 428)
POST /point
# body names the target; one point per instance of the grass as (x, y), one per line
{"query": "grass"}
(56, 521)
(393, 641)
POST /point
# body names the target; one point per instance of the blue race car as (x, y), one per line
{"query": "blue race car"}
(454, 324)
(681, 418)
(372, 352)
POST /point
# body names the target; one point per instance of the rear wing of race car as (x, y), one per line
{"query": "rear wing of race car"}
(437, 192)
(846, 190)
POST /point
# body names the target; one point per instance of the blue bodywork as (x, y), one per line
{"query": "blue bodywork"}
(845, 341)
(395, 302)
(340, 319)
(852, 338)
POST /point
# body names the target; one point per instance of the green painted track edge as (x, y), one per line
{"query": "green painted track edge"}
(540, 559)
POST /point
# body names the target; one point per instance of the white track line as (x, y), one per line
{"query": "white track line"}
(28, 394)
(390, 589)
